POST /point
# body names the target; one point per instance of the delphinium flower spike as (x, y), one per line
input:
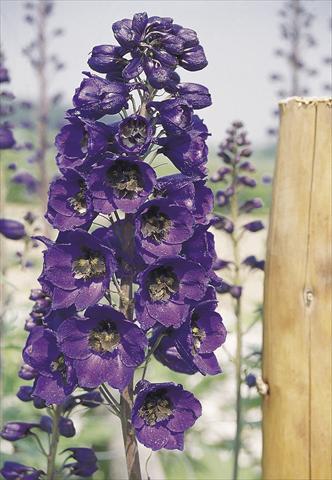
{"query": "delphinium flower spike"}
(293, 79)
(131, 270)
(234, 202)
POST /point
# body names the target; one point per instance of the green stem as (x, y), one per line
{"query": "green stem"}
(51, 471)
(148, 357)
(237, 311)
(126, 400)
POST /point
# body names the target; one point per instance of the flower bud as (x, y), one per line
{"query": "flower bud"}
(254, 226)
(46, 423)
(250, 205)
(247, 181)
(236, 291)
(66, 427)
(13, 431)
(12, 229)
(250, 380)
(24, 393)
(222, 198)
(26, 372)
(246, 152)
(224, 223)
(252, 262)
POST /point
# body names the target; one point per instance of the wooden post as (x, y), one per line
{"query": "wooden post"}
(297, 418)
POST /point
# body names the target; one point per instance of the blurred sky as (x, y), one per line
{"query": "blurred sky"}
(238, 37)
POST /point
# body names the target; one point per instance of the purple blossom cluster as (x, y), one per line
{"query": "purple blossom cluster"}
(131, 272)
(237, 175)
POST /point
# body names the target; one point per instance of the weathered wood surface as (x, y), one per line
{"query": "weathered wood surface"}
(297, 418)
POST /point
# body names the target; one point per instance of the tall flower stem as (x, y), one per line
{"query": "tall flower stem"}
(237, 311)
(51, 472)
(295, 48)
(126, 400)
(43, 106)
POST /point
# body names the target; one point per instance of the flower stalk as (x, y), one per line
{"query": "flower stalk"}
(55, 435)
(234, 152)
(126, 398)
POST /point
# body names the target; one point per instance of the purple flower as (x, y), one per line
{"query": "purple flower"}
(46, 423)
(161, 228)
(188, 192)
(98, 96)
(13, 431)
(89, 399)
(134, 134)
(190, 348)
(26, 179)
(104, 347)
(161, 414)
(253, 263)
(108, 59)
(189, 151)
(196, 95)
(78, 268)
(70, 204)
(267, 179)
(250, 380)
(66, 427)
(12, 229)
(250, 205)
(72, 144)
(254, 226)
(200, 248)
(247, 167)
(27, 372)
(223, 223)
(56, 378)
(24, 393)
(17, 471)
(121, 184)
(82, 141)
(234, 290)
(222, 198)
(4, 74)
(247, 181)
(155, 43)
(7, 139)
(167, 289)
(86, 462)
(128, 262)
(175, 115)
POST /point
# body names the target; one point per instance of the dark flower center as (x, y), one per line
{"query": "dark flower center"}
(78, 201)
(155, 224)
(156, 408)
(133, 132)
(197, 333)
(162, 284)
(59, 365)
(91, 265)
(104, 338)
(125, 179)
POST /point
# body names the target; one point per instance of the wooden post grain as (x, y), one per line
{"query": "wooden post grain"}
(297, 418)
